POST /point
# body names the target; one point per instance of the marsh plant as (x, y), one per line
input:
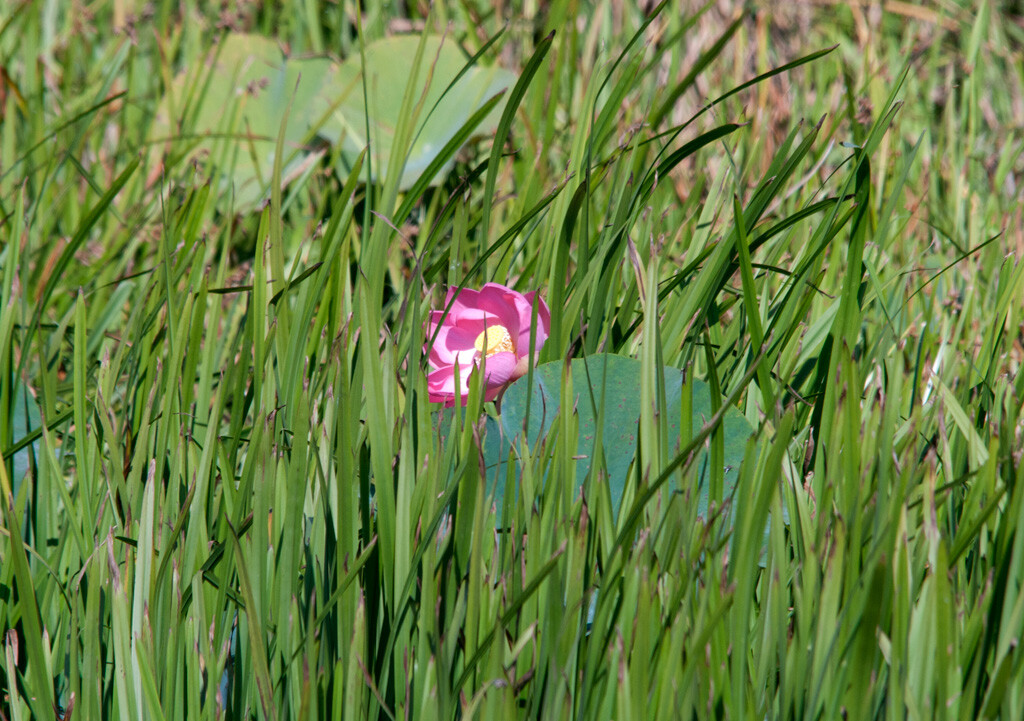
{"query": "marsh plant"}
(576, 359)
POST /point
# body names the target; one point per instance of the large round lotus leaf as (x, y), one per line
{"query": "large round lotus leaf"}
(495, 448)
(26, 419)
(607, 387)
(389, 63)
(230, 109)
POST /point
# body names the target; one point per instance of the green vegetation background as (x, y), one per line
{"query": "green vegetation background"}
(196, 399)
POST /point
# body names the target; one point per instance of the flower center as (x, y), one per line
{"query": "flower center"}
(494, 339)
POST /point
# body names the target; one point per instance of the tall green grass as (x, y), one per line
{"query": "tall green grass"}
(226, 495)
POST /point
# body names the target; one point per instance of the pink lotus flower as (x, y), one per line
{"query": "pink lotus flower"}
(486, 329)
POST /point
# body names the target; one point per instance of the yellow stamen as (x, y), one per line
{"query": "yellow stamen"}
(494, 339)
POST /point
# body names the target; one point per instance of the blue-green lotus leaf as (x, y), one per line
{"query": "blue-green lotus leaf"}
(607, 387)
